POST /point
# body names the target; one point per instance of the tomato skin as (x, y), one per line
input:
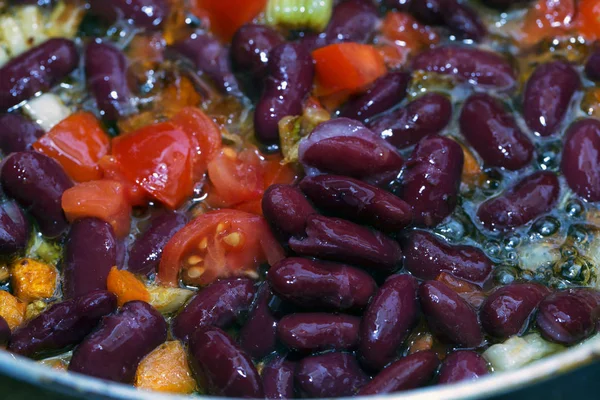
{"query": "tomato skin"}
(547, 19)
(588, 14)
(225, 23)
(111, 170)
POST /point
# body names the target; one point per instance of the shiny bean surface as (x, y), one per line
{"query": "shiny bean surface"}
(278, 379)
(18, 133)
(148, 14)
(581, 158)
(258, 335)
(14, 229)
(251, 46)
(286, 209)
(330, 375)
(462, 366)
(310, 332)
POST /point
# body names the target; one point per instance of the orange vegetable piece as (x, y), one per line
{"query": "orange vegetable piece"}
(406, 35)
(546, 19)
(33, 280)
(126, 286)
(227, 16)
(166, 369)
(467, 290)
(471, 168)
(588, 18)
(11, 309)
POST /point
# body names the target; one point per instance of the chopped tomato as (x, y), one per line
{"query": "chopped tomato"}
(224, 22)
(403, 34)
(104, 199)
(588, 14)
(126, 286)
(275, 171)
(218, 244)
(112, 170)
(77, 143)
(545, 19)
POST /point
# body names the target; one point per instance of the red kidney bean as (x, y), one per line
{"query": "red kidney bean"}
(462, 20)
(339, 240)
(278, 379)
(383, 94)
(310, 332)
(358, 201)
(219, 304)
(4, 332)
(217, 360)
(461, 366)
(404, 127)
(289, 81)
(330, 375)
(115, 349)
(251, 46)
(317, 284)
(146, 251)
(18, 133)
(286, 209)
(409, 372)
(402, 5)
(387, 321)
(506, 311)
(346, 147)
(547, 96)
(14, 229)
(431, 179)
(581, 158)
(428, 11)
(592, 66)
(501, 3)
(37, 183)
(259, 334)
(478, 67)
(36, 70)
(531, 197)
(149, 14)
(62, 325)
(426, 256)
(449, 316)
(494, 134)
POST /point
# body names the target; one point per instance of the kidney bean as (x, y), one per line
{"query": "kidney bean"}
(383, 94)
(219, 304)
(115, 349)
(330, 375)
(309, 332)
(404, 127)
(289, 81)
(501, 3)
(14, 229)
(36, 70)
(346, 147)
(403, 5)
(62, 325)
(462, 20)
(148, 14)
(146, 251)
(547, 96)
(251, 46)
(278, 379)
(286, 209)
(461, 366)
(478, 67)
(506, 311)
(317, 284)
(217, 360)
(592, 66)
(409, 372)
(339, 240)
(387, 321)
(581, 158)
(426, 256)
(428, 11)
(494, 134)
(4, 332)
(449, 316)
(18, 133)
(358, 201)
(37, 183)
(531, 197)
(431, 179)
(259, 334)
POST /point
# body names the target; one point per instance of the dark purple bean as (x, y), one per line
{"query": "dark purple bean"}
(346, 147)
(387, 321)
(592, 66)
(259, 334)
(431, 179)
(278, 379)
(115, 349)
(449, 317)
(403, 5)
(407, 373)
(547, 96)
(358, 201)
(106, 77)
(506, 311)
(14, 229)
(339, 240)
(18, 133)
(146, 251)
(330, 375)
(310, 332)
(4, 331)
(317, 284)
(494, 134)
(501, 3)
(90, 252)
(384, 94)
(251, 46)
(426, 256)
(286, 209)
(219, 304)
(290, 75)
(478, 67)
(428, 11)
(62, 325)
(463, 21)
(581, 159)
(531, 197)
(37, 183)
(462, 366)
(36, 70)
(404, 127)
(217, 360)
(149, 14)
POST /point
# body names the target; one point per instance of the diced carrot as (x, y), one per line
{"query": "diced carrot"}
(166, 369)
(126, 286)
(33, 280)
(11, 309)
(588, 18)
(227, 16)
(471, 169)
(421, 343)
